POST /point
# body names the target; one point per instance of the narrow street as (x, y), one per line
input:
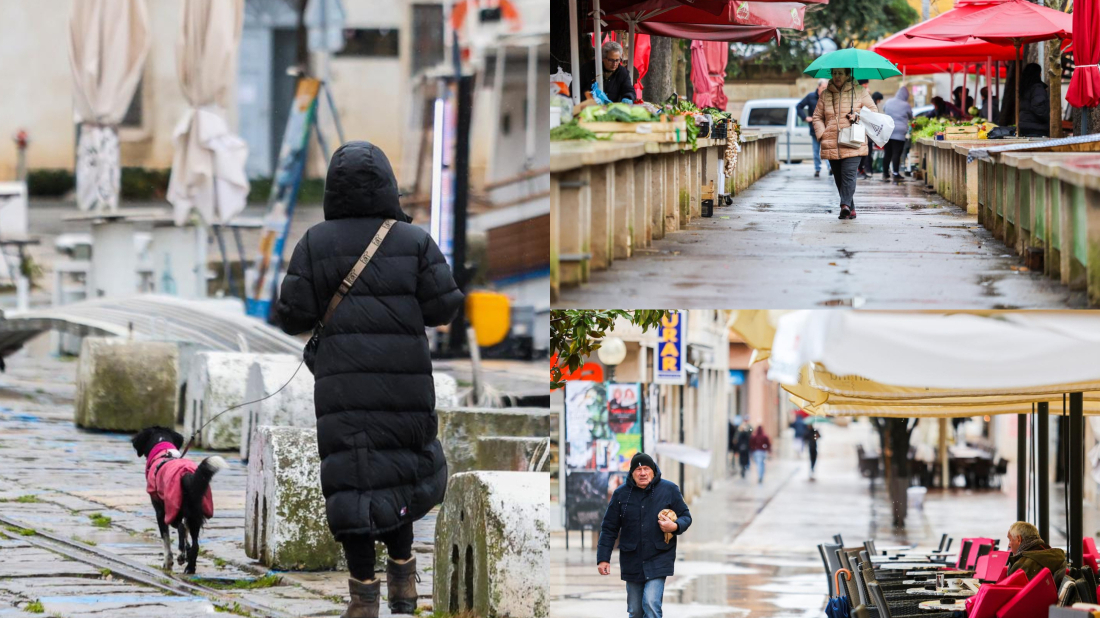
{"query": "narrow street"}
(781, 245)
(752, 549)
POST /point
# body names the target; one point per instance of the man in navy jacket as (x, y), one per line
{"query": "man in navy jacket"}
(633, 517)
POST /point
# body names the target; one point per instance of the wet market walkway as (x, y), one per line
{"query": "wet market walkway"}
(780, 245)
(752, 549)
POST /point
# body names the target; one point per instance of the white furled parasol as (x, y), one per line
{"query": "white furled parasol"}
(208, 169)
(108, 41)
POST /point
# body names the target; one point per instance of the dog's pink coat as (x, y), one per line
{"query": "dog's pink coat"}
(163, 483)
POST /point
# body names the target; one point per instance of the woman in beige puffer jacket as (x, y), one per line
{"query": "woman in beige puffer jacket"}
(837, 107)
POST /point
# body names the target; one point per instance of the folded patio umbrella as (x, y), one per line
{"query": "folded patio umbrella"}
(208, 169)
(1084, 86)
(108, 41)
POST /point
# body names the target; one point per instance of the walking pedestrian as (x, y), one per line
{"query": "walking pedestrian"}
(744, 438)
(805, 110)
(799, 426)
(760, 445)
(382, 467)
(646, 514)
(812, 436)
(899, 109)
(867, 166)
(837, 109)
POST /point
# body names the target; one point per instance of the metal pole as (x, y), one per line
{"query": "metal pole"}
(989, 88)
(532, 101)
(464, 101)
(1043, 437)
(574, 54)
(1018, 90)
(631, 41)
(1076, 471)
(598, 43)
(788, 145)
(1021, 467)
(945, 475)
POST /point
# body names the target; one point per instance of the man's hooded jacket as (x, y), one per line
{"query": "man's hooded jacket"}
(632, 518)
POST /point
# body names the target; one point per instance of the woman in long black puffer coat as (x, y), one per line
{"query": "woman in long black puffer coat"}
(382, 467)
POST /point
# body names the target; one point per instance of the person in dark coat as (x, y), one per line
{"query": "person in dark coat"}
(617, 83)
(744, 437)
(647, 537)
(382, 467)
(1034, 103)
(812, 436)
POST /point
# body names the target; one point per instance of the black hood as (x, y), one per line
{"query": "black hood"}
(361, 183)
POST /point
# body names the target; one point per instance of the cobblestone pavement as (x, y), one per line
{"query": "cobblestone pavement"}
(66, 481)
(752, 549)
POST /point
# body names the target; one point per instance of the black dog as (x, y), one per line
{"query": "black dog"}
(179, 490)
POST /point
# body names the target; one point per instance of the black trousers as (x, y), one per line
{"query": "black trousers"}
(844, 175)
(361, 556)
(867, 163)
(894, 148)
(813, 454)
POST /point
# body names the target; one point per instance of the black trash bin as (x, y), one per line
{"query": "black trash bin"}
(708, 208)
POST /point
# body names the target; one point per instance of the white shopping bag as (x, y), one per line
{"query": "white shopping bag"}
(878, 126)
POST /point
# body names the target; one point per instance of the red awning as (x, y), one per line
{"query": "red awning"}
(1084, 88)
(1006, 23)
(705, 32)
(922, 68)
(899, 48)
(742, 12)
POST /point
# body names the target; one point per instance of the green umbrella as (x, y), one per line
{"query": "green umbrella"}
(865, 64)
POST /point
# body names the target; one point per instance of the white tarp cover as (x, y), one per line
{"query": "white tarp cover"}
(208, 169)
(684, 454)
(998, 353)
(108, 41)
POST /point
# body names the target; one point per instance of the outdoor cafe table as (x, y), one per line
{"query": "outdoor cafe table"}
(936, 606)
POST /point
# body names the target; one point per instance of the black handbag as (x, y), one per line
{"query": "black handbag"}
(309, 353)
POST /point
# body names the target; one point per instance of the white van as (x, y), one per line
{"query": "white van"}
(780, 114)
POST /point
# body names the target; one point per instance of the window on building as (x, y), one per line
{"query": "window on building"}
(369, 43)
(428, 44)
(133, 115)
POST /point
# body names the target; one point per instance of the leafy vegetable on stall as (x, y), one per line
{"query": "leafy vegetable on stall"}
(571, 131)
(616, 112)
(715, 113)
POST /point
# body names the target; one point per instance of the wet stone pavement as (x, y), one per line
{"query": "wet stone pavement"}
(89, 487)
(781, 245)
(752, 549)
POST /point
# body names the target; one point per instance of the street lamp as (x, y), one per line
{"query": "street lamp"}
(611, 353)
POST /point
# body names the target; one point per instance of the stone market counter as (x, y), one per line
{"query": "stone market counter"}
(610, 199)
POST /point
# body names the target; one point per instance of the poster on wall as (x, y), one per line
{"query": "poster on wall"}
(603, 431)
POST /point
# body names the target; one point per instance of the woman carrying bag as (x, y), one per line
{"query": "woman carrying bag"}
(843, 140)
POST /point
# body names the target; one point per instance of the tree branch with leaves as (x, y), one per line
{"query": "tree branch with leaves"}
(576, 333)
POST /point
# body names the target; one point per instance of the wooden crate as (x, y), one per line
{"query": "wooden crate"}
(969, 131)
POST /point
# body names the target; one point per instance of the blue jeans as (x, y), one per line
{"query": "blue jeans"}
(758, 459)
(644, 600)
(817, 150)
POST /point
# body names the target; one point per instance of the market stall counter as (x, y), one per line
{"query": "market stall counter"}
(608, 199)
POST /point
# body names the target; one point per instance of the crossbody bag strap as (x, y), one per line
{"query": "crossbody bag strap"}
(364, 259)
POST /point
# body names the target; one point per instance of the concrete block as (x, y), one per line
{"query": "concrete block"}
(446, 390)
(216, 381)
(460, 428)
(290, 407)
(492, 543)
(285, 524)
(126, 385)
(511, 454)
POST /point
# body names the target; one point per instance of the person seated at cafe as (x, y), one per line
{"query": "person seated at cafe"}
(617, 83)
(1031, 554)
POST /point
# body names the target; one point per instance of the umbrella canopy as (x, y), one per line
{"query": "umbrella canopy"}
(864, 64)
(1084, 87)
(1007, 23)
(963, 354)
(745, 13)
(900, 48)
(920, 68)
(208, 167)
(108, 42)
(704, 32)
